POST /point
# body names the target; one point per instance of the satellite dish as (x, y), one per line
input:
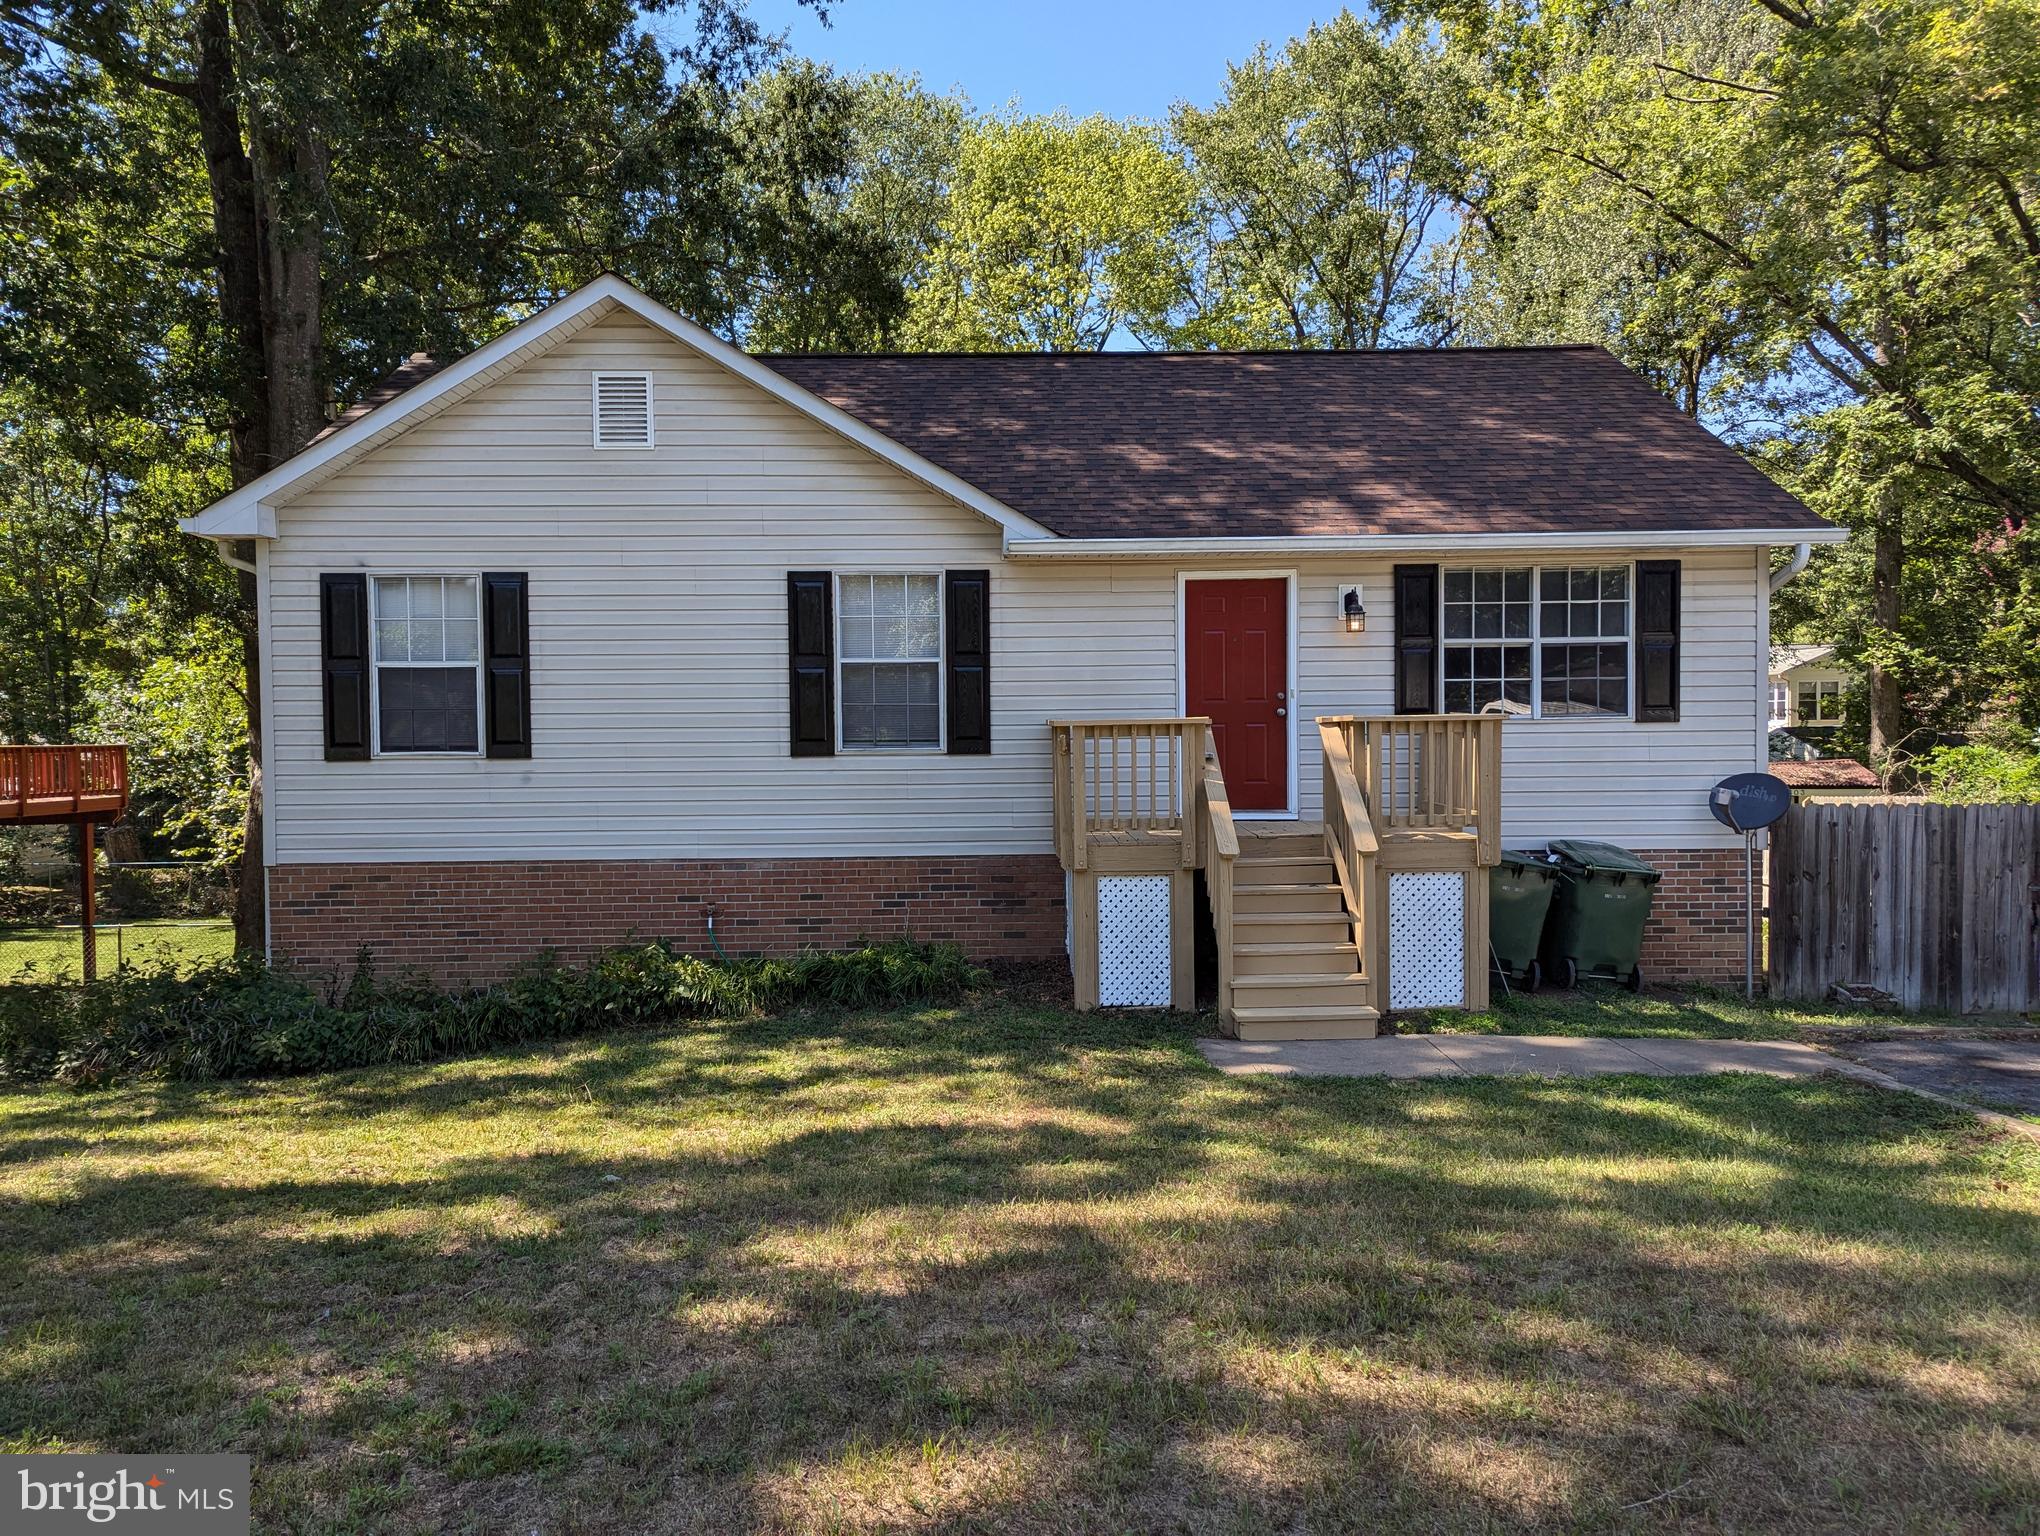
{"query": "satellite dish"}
(1749, 802)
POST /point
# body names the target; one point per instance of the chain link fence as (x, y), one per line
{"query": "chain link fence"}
(149, 912)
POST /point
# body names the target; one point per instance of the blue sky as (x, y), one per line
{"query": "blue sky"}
(1127, 58)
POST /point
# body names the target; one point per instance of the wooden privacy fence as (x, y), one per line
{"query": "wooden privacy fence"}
(1939, 905)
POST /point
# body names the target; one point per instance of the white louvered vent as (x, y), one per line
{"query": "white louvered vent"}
(623, 410)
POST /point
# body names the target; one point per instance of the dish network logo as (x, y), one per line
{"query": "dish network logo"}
(108, 1498)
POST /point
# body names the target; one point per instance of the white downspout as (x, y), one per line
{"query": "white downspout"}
(233, 562)
(1801, 553)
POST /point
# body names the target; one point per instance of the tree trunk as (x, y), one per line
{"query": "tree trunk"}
(1888, 747)
(230, 177)
(268, 185)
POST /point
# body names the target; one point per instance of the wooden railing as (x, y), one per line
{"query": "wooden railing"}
(1126, 776)
(1219, 845)
(1349, 832)
(1428, 773)
(62, 783)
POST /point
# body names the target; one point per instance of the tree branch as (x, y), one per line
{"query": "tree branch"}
(1727, 85)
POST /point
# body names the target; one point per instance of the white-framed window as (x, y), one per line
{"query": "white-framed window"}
(1781, 701)
(426, 642)
(1820, 703)
(889, 660)
(1549, 641)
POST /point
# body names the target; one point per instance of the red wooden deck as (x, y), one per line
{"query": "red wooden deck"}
(59, 784)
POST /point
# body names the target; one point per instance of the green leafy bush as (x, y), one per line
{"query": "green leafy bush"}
(244, 1018)
(1980, 775)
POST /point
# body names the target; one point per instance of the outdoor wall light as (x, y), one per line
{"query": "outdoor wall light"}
(1352, 617)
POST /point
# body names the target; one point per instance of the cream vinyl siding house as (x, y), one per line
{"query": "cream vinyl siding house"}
(603, 525)
(658, 639)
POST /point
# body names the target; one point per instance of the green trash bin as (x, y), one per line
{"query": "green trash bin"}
(1519, 899)
(1597, 915)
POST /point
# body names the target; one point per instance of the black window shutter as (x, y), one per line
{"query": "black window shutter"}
(1416, 640)
(967, 615)
(506, 642)
(343, 663)
(811, 662)
(1657, 639)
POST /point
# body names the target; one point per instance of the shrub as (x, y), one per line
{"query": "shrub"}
(1979, 775)
(244, 1018)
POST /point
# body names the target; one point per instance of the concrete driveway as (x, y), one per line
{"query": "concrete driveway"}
(2002, 1072)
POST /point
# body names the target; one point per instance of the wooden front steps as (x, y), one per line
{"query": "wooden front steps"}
(1295, 972)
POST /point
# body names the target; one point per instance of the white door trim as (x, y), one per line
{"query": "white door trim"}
(1288, 574)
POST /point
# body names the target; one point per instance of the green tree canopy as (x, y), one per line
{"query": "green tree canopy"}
(1814, 224)
(1322, 173)
(1055, 233)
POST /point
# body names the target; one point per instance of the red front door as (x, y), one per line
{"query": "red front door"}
(1236, 670)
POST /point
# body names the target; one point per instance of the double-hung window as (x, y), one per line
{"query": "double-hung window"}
(889, 660)
(1547, 641)
(1820, 703)
(428, 670)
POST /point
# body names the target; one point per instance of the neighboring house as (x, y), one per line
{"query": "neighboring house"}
(1827, 778)
(610, 628)
(1807, 686)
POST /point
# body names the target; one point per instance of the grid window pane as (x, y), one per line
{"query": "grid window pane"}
(422, 623)
(892, 704)
(1585, 680)
(1490, 606)
(890, 618)
(1585, 602)
(1498, 653)
(889, 660)
(427, 709)
(1487, 678)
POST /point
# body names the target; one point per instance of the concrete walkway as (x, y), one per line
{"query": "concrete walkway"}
(1512, 1055)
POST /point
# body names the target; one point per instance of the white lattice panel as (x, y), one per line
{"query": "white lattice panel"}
(1133, 941)
(1426, 941)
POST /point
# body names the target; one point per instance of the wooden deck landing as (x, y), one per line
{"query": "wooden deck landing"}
(46, 785)
(1299, 909)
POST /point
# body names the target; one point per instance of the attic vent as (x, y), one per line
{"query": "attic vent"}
(623, 410)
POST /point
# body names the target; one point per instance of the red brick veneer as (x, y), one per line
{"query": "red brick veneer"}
(474, 922)
(1696, 921)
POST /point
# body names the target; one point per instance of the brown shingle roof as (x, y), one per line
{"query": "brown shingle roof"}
(415, 369)
(1159, 445)
(1825, 773)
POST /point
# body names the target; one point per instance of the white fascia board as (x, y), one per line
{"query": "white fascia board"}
(1393, 543)
(248, 512)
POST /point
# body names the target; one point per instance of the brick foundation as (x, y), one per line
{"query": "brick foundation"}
(468, 923)
(1696, 921)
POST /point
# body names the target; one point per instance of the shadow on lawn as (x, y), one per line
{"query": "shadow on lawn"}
(1085, 1277)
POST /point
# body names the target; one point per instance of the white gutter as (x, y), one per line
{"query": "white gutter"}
(1383, 543)
(1801, 553)
(229, 559)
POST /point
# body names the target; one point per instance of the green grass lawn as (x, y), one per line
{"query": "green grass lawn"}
(1004, 1269)
(51, 954)
(1701, 1013)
